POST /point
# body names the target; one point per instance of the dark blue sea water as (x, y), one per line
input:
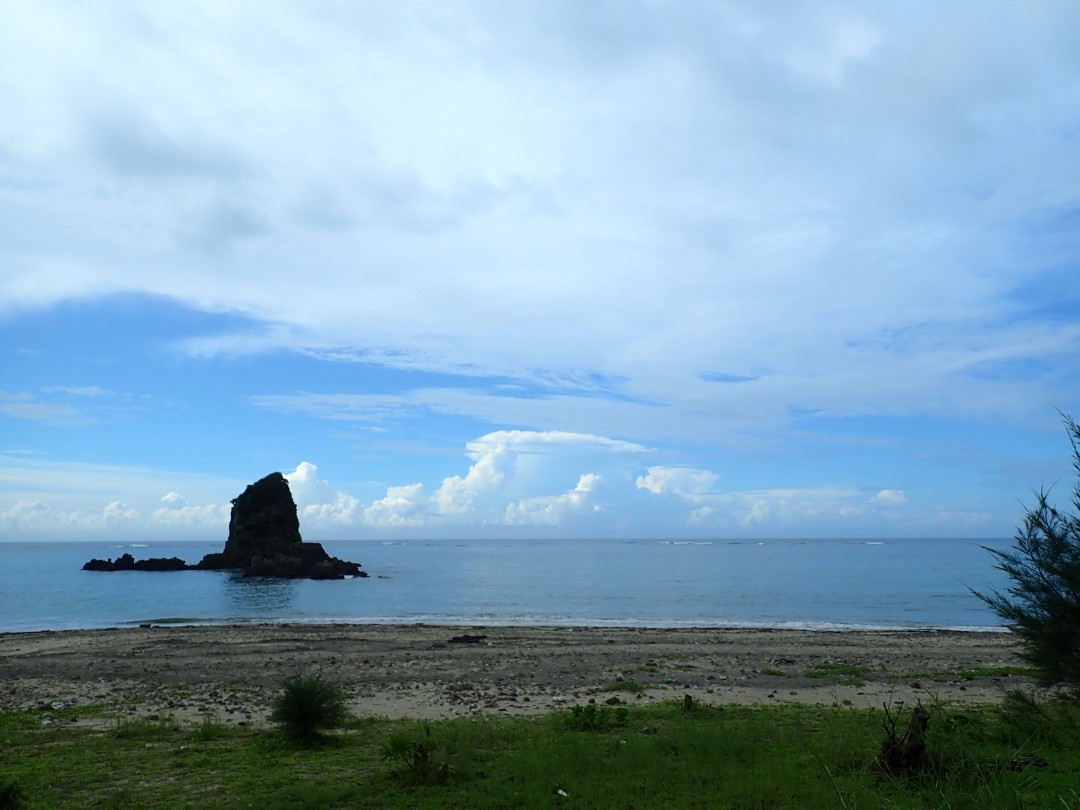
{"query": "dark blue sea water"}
(777, 583)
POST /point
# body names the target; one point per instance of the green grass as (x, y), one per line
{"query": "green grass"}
(779, 673)
(634, 687)
(844, 674)
(658, 756)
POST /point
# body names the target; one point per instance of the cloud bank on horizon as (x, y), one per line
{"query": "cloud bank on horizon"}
(537, 269)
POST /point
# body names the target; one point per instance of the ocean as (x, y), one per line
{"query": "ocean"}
(813, 584)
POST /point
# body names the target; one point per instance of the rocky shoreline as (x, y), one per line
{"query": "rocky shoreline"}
(229, 674)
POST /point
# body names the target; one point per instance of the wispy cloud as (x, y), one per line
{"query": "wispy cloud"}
(69, 405)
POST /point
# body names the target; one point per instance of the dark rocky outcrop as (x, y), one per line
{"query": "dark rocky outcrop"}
(263, 524)
(264, 541)
(125, 562)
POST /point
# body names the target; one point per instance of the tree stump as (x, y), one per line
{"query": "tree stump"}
(904, 756)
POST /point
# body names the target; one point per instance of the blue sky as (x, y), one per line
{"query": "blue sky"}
(537, 269)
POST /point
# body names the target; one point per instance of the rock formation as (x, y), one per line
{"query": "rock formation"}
(264, 541)
(263, 524)
(125, 562)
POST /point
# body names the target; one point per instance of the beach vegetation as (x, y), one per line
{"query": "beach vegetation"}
(839, 673)
(308, 706)
(776, 673)
(633, 687)
(789, 756)
(421, 758)
(144, 728)
(210, 729)
(595, 717)
(1041, 605)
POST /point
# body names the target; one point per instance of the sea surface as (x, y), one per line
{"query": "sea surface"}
(825, 584)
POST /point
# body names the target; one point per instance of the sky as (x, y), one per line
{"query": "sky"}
(531, 269)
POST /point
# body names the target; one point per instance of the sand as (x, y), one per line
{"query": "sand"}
(229, 674)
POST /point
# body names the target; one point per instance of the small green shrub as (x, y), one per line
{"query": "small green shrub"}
(308, 706)
(592, 717)
(422, 759)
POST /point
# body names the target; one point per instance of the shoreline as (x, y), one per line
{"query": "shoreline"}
(230, 673)
(542, 623)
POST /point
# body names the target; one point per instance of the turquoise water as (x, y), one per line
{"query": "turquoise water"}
(777, 583)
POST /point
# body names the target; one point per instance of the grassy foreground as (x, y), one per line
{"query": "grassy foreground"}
(1018, 755)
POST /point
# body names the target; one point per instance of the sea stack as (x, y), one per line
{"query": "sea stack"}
(264, 538)
(263, 524)
(264, 541)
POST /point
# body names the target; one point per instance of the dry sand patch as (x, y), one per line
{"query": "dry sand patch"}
(229, 674)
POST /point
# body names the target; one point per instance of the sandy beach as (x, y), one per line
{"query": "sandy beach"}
(230, 673)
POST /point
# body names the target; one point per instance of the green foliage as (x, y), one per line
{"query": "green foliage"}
(593, 717)
(845, 674)
(776, 673)
(658, 756)
(140, 728)
(419, 757)
(1042, 605)
(634, 687)
(308, 706)
(209, 730)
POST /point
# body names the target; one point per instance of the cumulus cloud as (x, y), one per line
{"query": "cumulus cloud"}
(176, 514)
(318, 503)
(512, 466)
(759, 512)
(403, 506)
(686, 482)
(516, 478)
(555, 510)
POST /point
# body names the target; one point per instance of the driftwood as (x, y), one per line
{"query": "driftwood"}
(903, 756)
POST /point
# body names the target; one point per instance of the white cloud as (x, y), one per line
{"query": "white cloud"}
(458, 494)
(52, 500)
(890, 497)
(319, 504)
(759, 512)
(686, 482)
(511, 466)
(646, 195)
(403, 506)
(701, 516)
(555, 510)
(211, 519)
